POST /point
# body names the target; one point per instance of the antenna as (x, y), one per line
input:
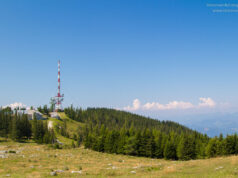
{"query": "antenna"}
(57, 100)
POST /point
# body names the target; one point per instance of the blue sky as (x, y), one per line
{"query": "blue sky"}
(113, 52)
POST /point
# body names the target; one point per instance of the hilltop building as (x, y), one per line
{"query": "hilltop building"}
(30, 114)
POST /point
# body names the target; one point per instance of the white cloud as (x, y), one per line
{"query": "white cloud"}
(15, 105)
(135, 106)
(204, 103)
(170, 105)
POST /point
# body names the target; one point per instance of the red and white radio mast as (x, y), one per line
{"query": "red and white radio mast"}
(57, 100)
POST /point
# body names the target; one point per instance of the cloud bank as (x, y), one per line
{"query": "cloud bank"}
(203, 103)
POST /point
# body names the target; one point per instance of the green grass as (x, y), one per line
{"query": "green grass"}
(33, 160)
(72, 127)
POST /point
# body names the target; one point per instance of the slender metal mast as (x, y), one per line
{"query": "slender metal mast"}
(57, 100)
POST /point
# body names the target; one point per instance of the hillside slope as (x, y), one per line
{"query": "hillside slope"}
(71, 127)
(33, 160)
(113, 131)
(115, 119)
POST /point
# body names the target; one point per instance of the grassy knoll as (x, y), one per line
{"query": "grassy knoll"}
(72, 127)
(32, 160)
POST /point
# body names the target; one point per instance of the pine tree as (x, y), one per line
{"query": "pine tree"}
(73, 144)
(130, 146)
(79, 139)
(108, 147)
(158, 146)
(211, 149)
(35, 128)
(186, 148)
(141, 143)
(170, 150)
(230, 144)
(122, 141)
(87, 141)
(25, 127)
(200, 149)
(150, 144)
(14, 129)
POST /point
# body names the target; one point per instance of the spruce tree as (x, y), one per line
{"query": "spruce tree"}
(35, 128)
(14, 129)
(130, 146)
(170, 150)
(26, 127)
(211, 148)
(186, 148)
(158, 146)
(230, 144)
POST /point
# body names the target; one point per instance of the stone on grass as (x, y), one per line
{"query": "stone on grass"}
(79, 172)
(3, 156)
(219, 168)
(3, 151)
(133, 172)
(53, 173)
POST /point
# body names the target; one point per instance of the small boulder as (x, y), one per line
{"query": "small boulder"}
(3, 156)
(3, 151)
(53, 173)
(79, 172)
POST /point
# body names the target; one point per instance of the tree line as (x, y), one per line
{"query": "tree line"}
(112, 131)
(45, 110)
(114, 119)
(18, 127)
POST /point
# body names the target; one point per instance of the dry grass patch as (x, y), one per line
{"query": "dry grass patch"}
(32, 160)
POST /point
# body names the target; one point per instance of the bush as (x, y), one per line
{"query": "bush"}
(57, 146)
(80, 168)
(11, 151)
(73, 145)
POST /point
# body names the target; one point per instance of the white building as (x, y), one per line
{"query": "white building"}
(38, 115)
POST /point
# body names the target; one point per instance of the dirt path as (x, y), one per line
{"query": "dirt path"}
(50, 124)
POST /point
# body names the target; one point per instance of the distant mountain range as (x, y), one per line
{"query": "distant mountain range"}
(210, 124)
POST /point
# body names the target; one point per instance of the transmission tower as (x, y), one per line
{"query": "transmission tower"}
(57, 100)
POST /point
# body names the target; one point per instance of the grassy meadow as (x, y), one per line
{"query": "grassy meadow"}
(32, 160)
(29, 159)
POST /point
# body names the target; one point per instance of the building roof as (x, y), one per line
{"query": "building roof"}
(31, 112)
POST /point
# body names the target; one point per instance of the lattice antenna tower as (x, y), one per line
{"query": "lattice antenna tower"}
(58, 99)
